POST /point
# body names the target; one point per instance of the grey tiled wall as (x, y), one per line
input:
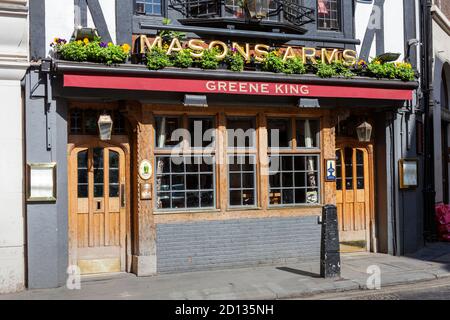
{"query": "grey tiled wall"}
(236, 243)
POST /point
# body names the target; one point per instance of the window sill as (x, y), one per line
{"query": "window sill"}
(185, 211)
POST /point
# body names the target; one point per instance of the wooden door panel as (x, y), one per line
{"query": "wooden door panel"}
(83, 230)
(353, 196)
(99, 217)
(348, 216)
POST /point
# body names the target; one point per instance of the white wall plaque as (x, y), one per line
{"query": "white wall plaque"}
(41, 182)
(145, 170)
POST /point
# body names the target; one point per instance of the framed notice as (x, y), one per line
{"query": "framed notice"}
(330, 169)
(41, 182)
(408, 171)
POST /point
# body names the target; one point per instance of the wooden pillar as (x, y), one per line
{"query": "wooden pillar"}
(329, 152)
(144, 258)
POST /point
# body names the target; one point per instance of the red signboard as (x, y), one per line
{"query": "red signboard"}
(232, 87)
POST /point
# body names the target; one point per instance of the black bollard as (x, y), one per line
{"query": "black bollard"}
(330, 258)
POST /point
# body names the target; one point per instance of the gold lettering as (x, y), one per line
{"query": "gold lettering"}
(175, 46)
(311, 55)
(215, 44)
(350, 57)
(196, 45)
(289, 54)
(261, 52)
(329, 58)
(145, 43)
(245, 53)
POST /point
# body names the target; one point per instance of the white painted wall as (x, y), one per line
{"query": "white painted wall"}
(60, 18)
(363, 17)
(13, 64)
(394, 37)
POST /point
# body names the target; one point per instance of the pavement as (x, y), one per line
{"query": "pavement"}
(289, 281)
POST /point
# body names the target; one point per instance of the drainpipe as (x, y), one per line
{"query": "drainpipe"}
(429, 192)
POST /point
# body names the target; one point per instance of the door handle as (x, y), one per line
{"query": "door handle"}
(122, 196)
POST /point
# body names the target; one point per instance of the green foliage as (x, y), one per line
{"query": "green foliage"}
(209, 59)
(326, 70)
(74, 51)
(342, 70)
(405, 72)
(382, 70)
(94, 51)
(169, 35)
(294, 66)
(235, 61)
(157, 59)
(114, 54)
(183, 59)
(273, 62)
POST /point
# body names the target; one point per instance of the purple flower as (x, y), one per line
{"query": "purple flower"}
(103, 45)
(233, 49)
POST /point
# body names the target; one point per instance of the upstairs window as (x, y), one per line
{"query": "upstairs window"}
(149, 7)
(329, 15)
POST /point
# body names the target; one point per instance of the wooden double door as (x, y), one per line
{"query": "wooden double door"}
(354, 193)
(98, 208)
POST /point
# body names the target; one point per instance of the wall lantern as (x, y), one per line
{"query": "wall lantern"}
(364, 131)
(81, 33)
(105, 125)
(256, 9)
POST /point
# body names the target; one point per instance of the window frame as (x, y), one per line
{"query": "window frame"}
(250, 152)
(162, 5)
(339, 16)
(294, 150)
(186, 152)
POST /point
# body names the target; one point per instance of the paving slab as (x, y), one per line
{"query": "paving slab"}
(283, 281)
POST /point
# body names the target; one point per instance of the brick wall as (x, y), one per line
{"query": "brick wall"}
(236, 243)
(444, 5)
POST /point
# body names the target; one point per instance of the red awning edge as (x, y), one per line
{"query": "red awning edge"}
(232, 87)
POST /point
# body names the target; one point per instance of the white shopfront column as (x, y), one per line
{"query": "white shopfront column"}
(13, 65)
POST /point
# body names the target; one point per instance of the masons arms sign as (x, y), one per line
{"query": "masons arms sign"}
(247, 50)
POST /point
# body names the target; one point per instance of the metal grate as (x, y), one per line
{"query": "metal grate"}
(293, 11)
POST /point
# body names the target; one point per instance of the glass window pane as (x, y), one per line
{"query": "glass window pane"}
(167, 130)
(307, 134)
(113, 174)
(207, 199)
(298, 184)
(279, 132)
(241, 180)
(98, 173)
(235, 198)
(193, 200)
(241, 132)
(91, 122)
(338, 170)
(180, 188)
(202, 132)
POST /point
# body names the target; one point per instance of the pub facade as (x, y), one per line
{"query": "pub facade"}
(221, 134)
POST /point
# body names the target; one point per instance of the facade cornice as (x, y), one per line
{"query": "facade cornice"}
(440, 18)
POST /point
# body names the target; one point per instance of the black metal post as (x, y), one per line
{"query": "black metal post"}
(330, 258)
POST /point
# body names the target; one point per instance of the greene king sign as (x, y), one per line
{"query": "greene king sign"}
(247, 50)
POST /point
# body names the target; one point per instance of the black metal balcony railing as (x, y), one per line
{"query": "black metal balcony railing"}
(290, 12)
